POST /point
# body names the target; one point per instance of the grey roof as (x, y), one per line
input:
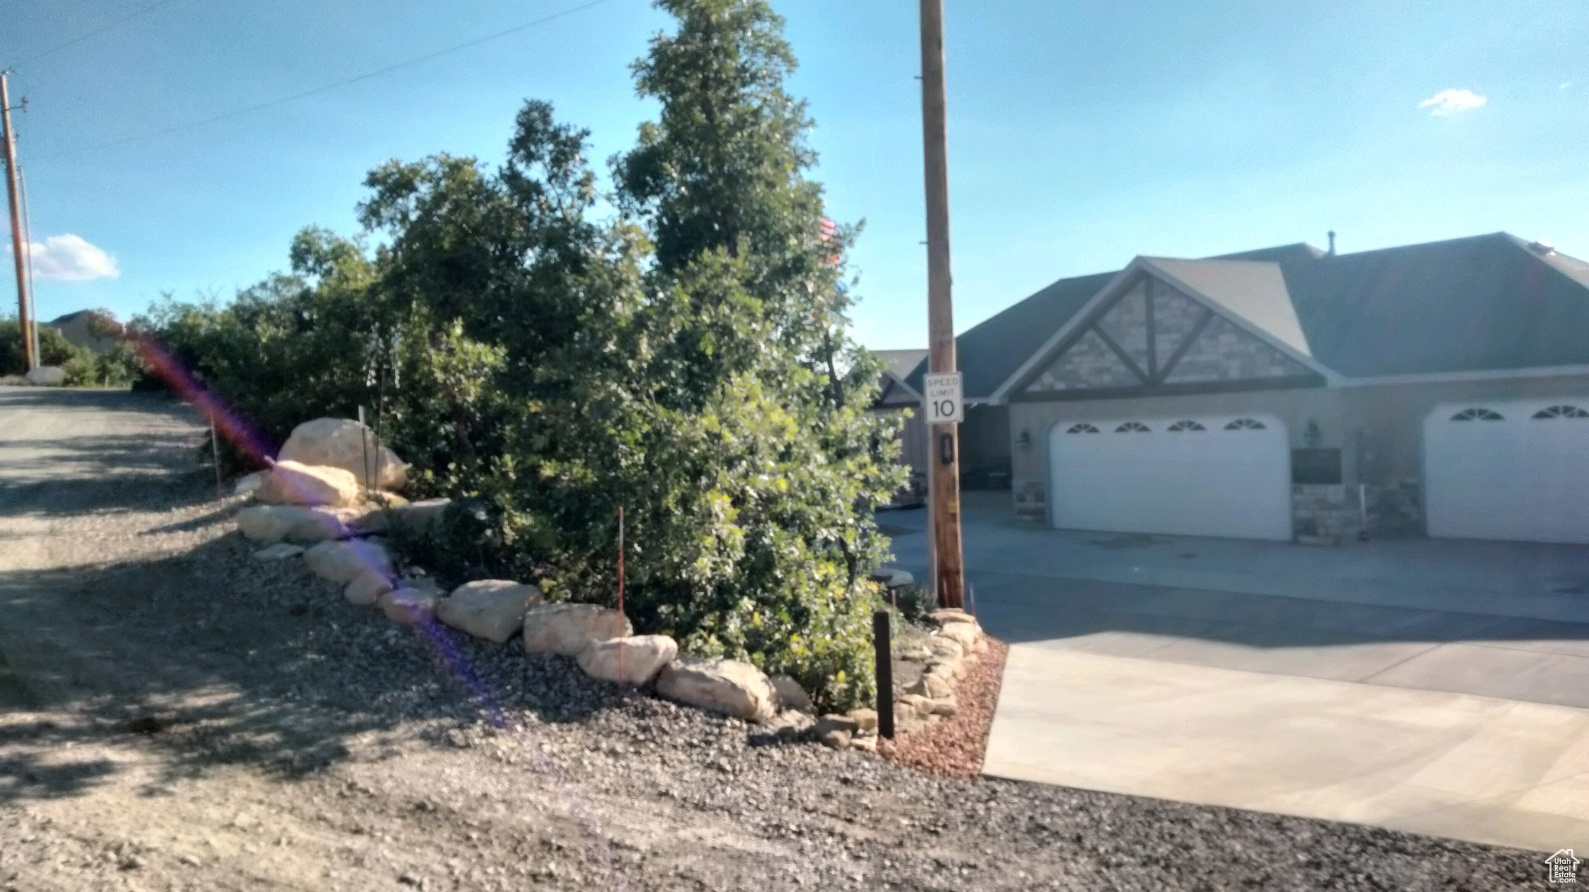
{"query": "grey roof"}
(901, 362)
(1251, 290)
(992, 350)
(1487, 302)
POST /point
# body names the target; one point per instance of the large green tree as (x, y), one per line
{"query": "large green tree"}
(686, 357)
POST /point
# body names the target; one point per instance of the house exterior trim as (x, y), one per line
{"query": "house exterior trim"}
(1083, 318)
(1288, 382)
(1551, 371)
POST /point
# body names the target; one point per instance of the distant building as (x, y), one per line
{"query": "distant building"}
(87, 329)
(1293, 392)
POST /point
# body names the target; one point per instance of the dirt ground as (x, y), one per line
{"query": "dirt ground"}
(175, 714)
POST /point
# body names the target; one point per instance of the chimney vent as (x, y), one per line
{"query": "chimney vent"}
(1332, 243)
(1542, 248)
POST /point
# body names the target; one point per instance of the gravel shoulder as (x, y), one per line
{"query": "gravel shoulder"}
(179, 715)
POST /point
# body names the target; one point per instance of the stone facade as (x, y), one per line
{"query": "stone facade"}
(1223, 352)
(1325, 514)
(1089, 363)
(1332, 514)
(1127, 324)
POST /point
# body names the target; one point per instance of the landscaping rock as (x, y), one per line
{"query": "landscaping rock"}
(408, 606)
(634, 660)
(910, 705)
(834, 721)
(268, 523)
(419, 518)
(951, 615)
(248, 483)
(790, 694)
(868, 743)
(726, 686)
(291, 483)
(492, 609)
(932, 687)
(349, 445)
(834, 738)
(46, 376)
(943, 648)
(279, 551)
(892, 577)
(944, 706)
(299, 523)
(865, 719)
(964, 634)
(367, 588)
(565, 629)
(341, 561)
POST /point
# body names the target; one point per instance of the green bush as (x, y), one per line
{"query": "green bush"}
(83, 367)
(688, 360)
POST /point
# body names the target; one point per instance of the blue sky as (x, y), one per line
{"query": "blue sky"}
(1081, 133)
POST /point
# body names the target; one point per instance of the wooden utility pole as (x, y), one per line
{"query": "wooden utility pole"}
(17, 247)
(944, 478)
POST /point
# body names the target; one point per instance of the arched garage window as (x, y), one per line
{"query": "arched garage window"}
(1083, 428)
(1477, 415)
(1561, 412)
(1132, 427)
(1245, 424)
(1187, 425)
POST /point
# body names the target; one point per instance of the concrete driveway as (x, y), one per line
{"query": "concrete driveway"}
(1438, 687)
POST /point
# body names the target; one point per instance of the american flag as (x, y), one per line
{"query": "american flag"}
(829, 236)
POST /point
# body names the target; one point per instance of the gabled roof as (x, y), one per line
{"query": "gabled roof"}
(900, 362)
(1252, 290)
(992, 350)
(1485, 303)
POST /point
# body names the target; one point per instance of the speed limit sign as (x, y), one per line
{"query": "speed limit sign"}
(944, 405)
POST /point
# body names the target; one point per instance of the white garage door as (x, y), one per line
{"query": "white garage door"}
(1199, 476)
(1509, 470)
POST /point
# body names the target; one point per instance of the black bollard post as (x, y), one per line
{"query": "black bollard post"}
(885, 673)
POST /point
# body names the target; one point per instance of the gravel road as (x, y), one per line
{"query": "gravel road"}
(175, 714)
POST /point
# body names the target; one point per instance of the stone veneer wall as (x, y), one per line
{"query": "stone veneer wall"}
(1332, 513)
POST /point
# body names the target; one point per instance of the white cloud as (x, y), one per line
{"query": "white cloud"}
(1451, 102)
(70, 258)
(1564, 86)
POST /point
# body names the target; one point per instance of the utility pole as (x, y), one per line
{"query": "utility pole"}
(944, 478)
(17, 247)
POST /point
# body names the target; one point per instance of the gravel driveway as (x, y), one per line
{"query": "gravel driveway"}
(179, 715)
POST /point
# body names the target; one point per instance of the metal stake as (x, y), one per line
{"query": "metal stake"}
(881, 635)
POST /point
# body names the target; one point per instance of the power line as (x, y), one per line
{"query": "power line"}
(94, 33)
(325, 87)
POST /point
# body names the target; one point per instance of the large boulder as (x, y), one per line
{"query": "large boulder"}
(791, 695)
(349, 445)
(408, 604)
(291, 483)
(565, 629)
(492, 609)
(368, 587)
(302, 524)
(726, 686)
(341, 561)
(46, 376)
(633, 660)
(419, 518)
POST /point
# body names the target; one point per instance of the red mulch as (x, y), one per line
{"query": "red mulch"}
(955, 745)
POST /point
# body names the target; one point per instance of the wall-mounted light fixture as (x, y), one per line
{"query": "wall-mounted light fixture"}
(1025, 439)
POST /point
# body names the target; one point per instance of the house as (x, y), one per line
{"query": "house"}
(896, 396)
(89, 329)
(1293, 393)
